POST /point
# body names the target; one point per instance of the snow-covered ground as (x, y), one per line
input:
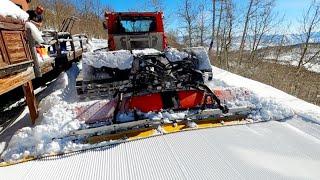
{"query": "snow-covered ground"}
(269, 150)
(292, 58)
(58, 117)
(271, 100)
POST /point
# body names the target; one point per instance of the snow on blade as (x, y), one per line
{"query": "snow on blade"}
(121, 59)
(9, 9)
(202, 55)
(174, 55)
(96, 44)
(147, 51)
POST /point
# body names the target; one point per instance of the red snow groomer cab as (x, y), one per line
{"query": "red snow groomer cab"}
(135, 30)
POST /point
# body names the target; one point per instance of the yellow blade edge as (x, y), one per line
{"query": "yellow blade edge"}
(166, 129)
(24, 159)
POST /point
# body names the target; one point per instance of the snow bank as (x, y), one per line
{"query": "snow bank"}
(121, 59)
(56, 119)
(9, 9)
(274, 104)
(36, 34)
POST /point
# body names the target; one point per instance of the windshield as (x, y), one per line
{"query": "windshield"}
(137, 25)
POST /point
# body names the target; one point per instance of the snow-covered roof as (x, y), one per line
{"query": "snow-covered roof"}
(271, 150)
(9, 9)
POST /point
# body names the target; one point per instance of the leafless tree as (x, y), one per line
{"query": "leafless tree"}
(228, 28)
(202, 25)
(249, 12)
(225, 31)
(158, 5)
(90, 19)
(262, 22)
(213, 23)
(281, 42)
(187, 14)
(218, 39)
(310, 24)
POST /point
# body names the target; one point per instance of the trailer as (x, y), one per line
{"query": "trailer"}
(61, 47)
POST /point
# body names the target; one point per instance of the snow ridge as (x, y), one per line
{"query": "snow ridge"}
(272, 101)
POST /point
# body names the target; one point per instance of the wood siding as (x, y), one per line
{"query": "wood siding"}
(13, 46)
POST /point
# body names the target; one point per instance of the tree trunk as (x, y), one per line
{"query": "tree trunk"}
(244, 33)
(213, 23)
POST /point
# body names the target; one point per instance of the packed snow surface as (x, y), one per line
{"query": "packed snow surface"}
(58, 117)
(9, 9)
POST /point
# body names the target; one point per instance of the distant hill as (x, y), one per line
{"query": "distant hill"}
(274, 40)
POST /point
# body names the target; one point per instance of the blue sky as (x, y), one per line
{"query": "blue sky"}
(292, 9)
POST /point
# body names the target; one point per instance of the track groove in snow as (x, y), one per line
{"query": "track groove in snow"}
(273, 151)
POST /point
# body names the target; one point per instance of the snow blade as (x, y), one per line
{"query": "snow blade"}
(124, 132)
(147, 127)
(157, 128)
(211, 114)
